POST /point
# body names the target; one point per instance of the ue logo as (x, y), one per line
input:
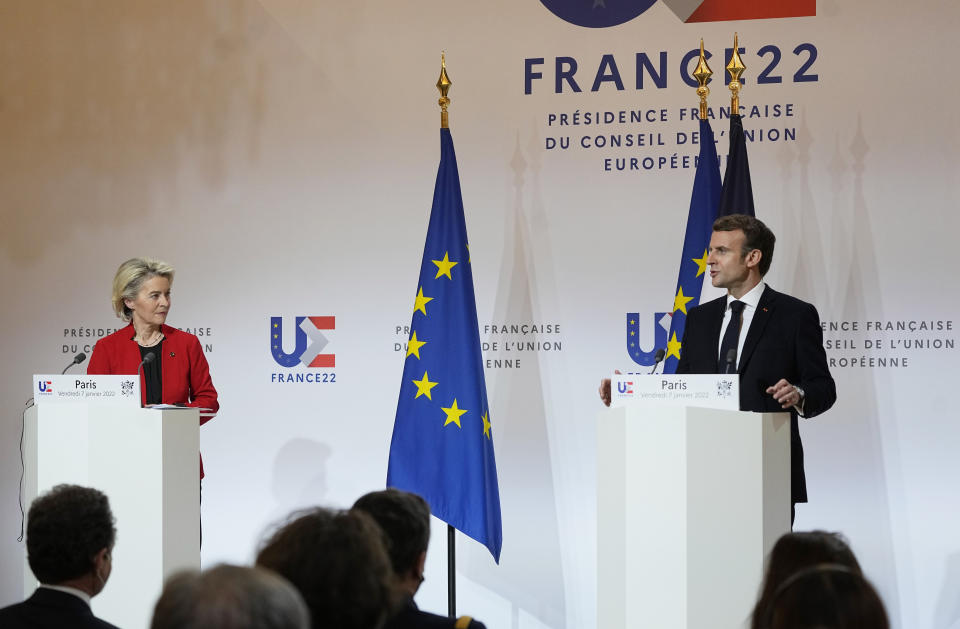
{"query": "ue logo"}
(661, 328)
(45, 386)
(625, 387)
(308, 329)
(605, 13)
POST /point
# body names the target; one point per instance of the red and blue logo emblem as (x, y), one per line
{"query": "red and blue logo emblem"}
(606, 13)
(310, 342)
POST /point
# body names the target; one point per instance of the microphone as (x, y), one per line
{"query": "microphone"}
(731, 359)
(149, 358)
(657, 359)
(79, 358)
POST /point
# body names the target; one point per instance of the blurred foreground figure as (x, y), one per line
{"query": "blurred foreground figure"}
(813, 581)
(338, 562)
(229, 597)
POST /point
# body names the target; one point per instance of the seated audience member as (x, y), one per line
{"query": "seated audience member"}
(795, 551)
(338, 562)
(229, 597)
(405, 519)
(825, 596)
(70, 536)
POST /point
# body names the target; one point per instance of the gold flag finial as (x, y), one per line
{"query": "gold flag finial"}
(443, 84)
(702, 74)
(735, 68)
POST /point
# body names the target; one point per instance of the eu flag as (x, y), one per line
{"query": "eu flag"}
(442, 444)
(737, 196)
(693, 261)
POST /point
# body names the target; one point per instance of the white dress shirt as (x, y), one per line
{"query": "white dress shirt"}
(69, 590)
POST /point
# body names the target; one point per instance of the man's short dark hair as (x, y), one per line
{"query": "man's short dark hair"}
(338, 561)
(229, 597)
(758, 236)
(405, 519)
(66, 528)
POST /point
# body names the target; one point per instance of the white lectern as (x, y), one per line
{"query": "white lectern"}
(146, 462)
(690, 502)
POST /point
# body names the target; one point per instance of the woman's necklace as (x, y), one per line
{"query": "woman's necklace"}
(155, 338)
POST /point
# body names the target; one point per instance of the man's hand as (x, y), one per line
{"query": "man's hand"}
(605, 390)
(785, 394)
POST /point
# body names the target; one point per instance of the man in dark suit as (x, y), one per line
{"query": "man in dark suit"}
(70, 536)
(774, 341)
(405, 520)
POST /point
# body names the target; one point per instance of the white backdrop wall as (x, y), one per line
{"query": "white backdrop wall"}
(282, 156)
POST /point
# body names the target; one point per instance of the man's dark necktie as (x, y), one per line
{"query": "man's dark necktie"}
(731, 339)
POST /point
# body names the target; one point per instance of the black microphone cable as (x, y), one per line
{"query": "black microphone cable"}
(23, 466)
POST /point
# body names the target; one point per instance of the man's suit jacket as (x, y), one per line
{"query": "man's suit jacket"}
(411, 617)
(785, 340)
(51, 609)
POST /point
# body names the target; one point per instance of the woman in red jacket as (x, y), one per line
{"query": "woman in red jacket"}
(178, 372)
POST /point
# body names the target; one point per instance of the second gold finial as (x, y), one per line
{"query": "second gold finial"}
(735, 68)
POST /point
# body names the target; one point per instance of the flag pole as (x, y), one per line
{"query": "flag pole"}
(704, 201)
(451, 572)
(443, 84)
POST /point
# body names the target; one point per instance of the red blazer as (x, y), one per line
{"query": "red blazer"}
(185, 377)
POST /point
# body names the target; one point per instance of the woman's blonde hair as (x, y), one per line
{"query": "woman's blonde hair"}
(130, 277)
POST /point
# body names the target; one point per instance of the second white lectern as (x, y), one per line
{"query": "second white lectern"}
(690, 500)
(146, 462)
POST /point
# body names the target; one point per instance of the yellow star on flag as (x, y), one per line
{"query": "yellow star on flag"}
(486, 425)
(680, 301)
(453, 414)
(673, 347)
(701, 263)
(424, 386)
(413, 345)
(444, 266)
(421, 302)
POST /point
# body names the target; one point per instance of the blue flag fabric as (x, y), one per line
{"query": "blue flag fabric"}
(442, 444)
(737, 197)
(693, 261)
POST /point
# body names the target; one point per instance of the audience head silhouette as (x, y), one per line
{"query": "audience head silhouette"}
(817, 569)
(825, 596)
(338, 562)
(70, 536)
(229, 597)
(405, 520)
